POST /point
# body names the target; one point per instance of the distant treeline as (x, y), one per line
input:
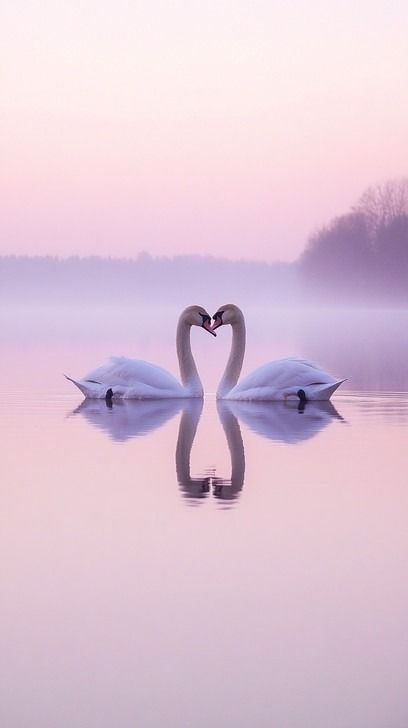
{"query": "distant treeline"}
(362, 255)
(178, 280)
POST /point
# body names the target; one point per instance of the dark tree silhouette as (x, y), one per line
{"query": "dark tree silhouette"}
(358, 257)
(382, 204)
(364, 253)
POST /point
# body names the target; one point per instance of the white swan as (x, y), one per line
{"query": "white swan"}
(137, 379)
(276, 380)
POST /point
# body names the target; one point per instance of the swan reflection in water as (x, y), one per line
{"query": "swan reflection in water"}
(196, 488)
(287, 422)
(290, 422)
(124, 419)
(127, 418)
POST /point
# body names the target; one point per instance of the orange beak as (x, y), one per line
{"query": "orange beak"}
(216, 325)
(207, 326)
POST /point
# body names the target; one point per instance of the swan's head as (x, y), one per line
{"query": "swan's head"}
(197, 316)
(228, 314)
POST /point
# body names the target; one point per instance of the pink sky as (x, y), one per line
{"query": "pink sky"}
(229, 128)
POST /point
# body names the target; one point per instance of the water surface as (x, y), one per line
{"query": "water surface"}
(186, 564)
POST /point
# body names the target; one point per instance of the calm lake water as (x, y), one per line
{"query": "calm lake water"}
(185, 564)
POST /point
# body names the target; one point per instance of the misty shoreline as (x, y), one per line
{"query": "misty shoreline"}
(95, 281)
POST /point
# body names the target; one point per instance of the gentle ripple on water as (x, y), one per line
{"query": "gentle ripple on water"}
(282, 581)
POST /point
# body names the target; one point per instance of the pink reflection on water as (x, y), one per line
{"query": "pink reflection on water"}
(120, 605)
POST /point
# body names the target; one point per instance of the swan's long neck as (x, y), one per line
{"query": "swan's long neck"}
(188, 370)
(236, 357)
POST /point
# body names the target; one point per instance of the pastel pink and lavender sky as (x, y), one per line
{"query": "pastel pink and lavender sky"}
(229, 128)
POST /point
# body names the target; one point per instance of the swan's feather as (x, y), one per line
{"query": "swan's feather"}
(123, 371)
(88, 388)
(130, 379)
(281, 379)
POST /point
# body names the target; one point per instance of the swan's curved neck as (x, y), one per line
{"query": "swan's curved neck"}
(188, 370)
(236, 357)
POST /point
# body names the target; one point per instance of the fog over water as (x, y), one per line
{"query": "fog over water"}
(368, 347)
(199, 563)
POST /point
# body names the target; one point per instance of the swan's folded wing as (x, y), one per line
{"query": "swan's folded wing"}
(121, 371)
(274, 379)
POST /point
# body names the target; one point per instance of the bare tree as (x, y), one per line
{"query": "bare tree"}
(364, 253)
(383, 203)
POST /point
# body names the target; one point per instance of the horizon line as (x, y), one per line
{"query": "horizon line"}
(144, 256)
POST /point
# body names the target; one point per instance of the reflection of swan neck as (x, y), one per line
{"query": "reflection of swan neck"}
(188, 370)
(233, 435)
(186, 435)
(236, 447)
(191, 487)
(198, 488)
(236, 357)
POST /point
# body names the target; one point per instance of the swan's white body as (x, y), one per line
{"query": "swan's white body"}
(138, 379)
(131, 379)
(276, 380)
(282, 379)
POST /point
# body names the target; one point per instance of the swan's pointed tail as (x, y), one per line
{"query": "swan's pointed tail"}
(325, 391)
(88, 389)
